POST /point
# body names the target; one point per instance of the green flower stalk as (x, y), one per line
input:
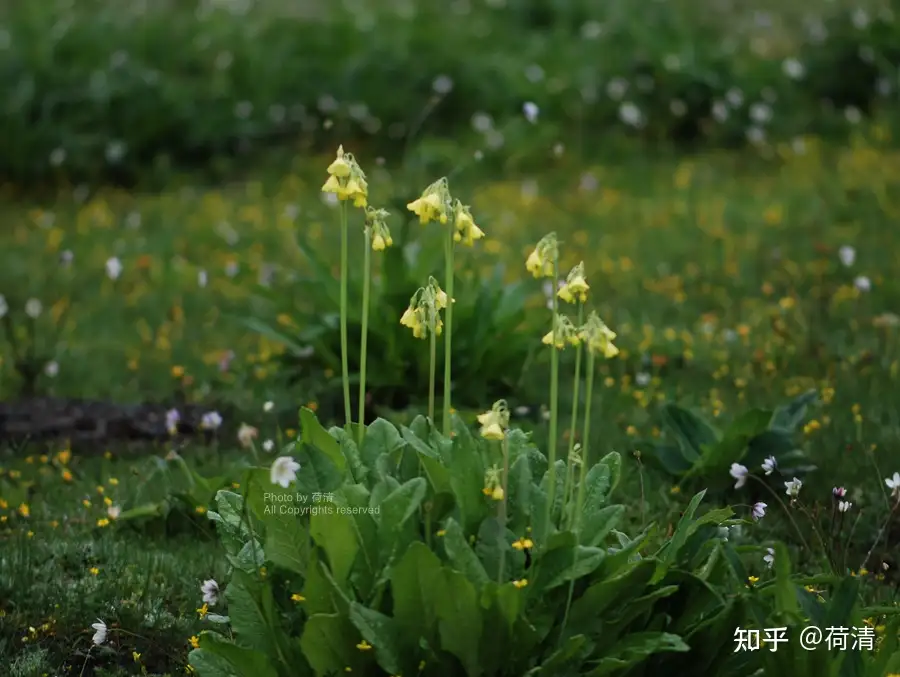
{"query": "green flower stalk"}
(423, 318)
(436, 204)
(377, 237)
(346, 180)
(494, 425)
(544, 262)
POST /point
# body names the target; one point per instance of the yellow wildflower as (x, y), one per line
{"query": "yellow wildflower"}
(576, 287)
(523, 544)
(194, 641)
(297, 597)
(520, 583)
(542, 261)
(202, 611)
(364, 646)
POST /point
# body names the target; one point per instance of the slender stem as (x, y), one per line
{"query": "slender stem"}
(786, 512)
(585, 437)
(431, 369)
(570, 473)
(504, 446)
(881, 533)
(554, 396)
(818, 534)
(367, 270)
(448, 335)
(344, 363)
(589, 387)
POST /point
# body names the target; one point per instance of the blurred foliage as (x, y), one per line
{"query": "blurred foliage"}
(102, 90)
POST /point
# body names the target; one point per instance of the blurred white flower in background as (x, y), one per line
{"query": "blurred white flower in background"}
(33, 308)
(847, 255)
(531, 111)
(113, 268)
(862, 283)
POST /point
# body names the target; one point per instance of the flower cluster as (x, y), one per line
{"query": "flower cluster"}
(495, 422)
(542, 261)
(422, 315)
(575, 287)
(347, 180)
(436, 204)
(493, 485)
(377, 229)
(598, 337)
(563, 333)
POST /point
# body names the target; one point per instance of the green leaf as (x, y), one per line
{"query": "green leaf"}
(669, 457)
(381, 632)
(244, 661)
(460, 620)
(567, 657)
(682, 531)
(585, 562)
(692, 432)
(595, 527)
(381, 437)
(786, 602)
(461, 554)
(208, 664)
(287, 545)
(588, 610)
(399, 505)
(335, 533)
(634, 648)
(414, 578)
(613, 460)
(715, 459)
(250, 606)
(327, 643)
(789, 416)
(313, 434)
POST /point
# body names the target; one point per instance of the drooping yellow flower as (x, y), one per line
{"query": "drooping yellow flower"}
(576, 287)
(466, 230)
(598, 337)
(498, 493)
(495, 422)
(427, 208)
(339, 167)
(563, 333)
(542, 261)
(332, 185)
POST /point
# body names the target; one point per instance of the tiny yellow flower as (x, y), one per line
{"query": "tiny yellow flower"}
(753, 580)
(66, 475)
(177, 371)
(427, 208)
(297, 597)
(520, 583)
(136, 656)
(339, 167)
(102, 522)
(24, 510)
(441, 532)
(497, 494)
(94, 571)
(523, 544)
(194, 641)
(364, 646)
(64, 457)
(576, 287)
(200, 510)
(202, 611)
(378, 243)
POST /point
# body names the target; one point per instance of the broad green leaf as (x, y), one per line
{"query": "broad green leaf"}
(328, 643)
(399, 505)
(381, 632)
(566, 658)
(381, 437)
(414, 579)
(209, 664)
(588, 610)
(614, 461)
(669, 457)
(335, 533)
(786, 602)
(313, 434)
(692, 431)
(287, 544)
(595, 527)
(249, 606)
(461, 554)
(553, 562)
(636, 647)
(789, 416)
(586, 560)
(460, 620)
(245, 661)
(682, 531)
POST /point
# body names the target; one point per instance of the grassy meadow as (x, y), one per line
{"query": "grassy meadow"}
(729, 283)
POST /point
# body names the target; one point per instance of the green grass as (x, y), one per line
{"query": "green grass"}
(720, 274)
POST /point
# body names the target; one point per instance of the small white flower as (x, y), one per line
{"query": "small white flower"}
(210, 590)
(760, 113)
(284, 471)
(847, 255)
(268, 446)
(33, 308)
(442, 84)
(4, 306)
(735, 97)
(211, 420)
(642, 378)
(100, 634)
(114, 511)
(793, 487)
(759, 510)
(740, 473)
(531, 111)
(268, 406)
(862, 283)
(631, 115)
(172, 419)
(769, 465)
(844, 506)
(51, 368)
(769, 557)
(839, 492)
(853, 115)
(616, 88)
(58, 156)
(720, 111)
(893, 483)
(202, 278)
(246, 434)
(113, 268)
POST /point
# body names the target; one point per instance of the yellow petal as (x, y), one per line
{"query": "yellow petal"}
(332, 185)
(378, 243)
(340, 167)
(492, 432)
